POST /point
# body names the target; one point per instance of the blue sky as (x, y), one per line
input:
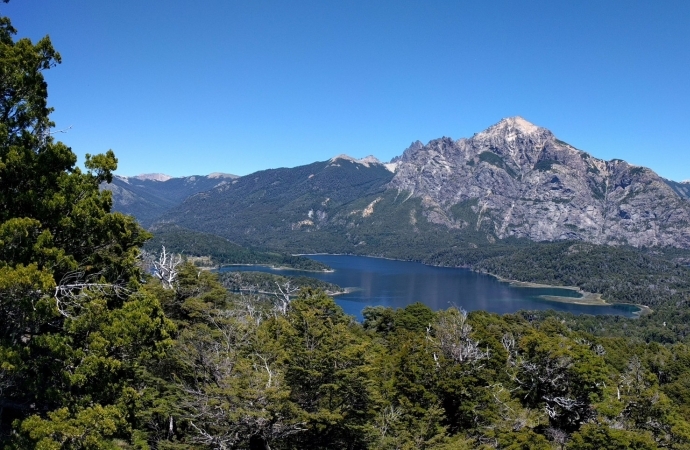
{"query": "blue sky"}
(186, 88)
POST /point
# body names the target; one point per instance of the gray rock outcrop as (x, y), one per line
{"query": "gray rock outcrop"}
(520, 180)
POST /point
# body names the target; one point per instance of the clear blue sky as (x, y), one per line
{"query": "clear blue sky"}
(185, 87)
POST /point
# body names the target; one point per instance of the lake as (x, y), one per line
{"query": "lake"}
(385, 282)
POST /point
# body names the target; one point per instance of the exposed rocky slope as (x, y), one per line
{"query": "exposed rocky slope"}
(521, 181)
(682, 188)
(148, 196)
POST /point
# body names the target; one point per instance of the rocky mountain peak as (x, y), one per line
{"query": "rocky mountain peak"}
(512, 128)
(514, 138)
(517, 179)
(408, 152)
(518, 124)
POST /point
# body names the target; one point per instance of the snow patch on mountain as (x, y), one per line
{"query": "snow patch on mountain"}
(366, 161)
(221, 175)
(153, 177)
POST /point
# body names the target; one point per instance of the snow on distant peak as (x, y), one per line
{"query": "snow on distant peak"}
(221, 175)
(342, 156)
(685, 181)
(371, 159)
(517, 123)
(122, 178)
(523, 125)
(153, 177)
(363, 161)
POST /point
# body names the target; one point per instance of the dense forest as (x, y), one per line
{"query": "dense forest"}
(261, 282)
(621, 274)
(657, 278)
(98, 353)
(223, 252)
(242, 371)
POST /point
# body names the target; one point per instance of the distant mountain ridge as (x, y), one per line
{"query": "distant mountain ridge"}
(148, 196)
(265, 208)
(512, 180)
(152, 176)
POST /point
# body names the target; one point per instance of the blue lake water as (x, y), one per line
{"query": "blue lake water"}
(385, 282)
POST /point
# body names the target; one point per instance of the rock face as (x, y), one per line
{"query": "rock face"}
(520, 180)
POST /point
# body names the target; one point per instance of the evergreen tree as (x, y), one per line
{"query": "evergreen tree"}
(75, 327)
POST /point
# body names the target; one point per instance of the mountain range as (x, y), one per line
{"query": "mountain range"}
(513, 180)
(148, 196)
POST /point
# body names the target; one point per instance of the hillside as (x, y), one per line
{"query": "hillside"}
(221, 252)
(303, 209)
(148, 196)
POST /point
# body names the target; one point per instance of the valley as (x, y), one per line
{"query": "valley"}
(512, 201)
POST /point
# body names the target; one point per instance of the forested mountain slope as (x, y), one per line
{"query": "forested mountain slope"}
(146, 197)
(621, 274)
(310, 208)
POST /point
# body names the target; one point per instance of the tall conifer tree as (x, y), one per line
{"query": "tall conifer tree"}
(74, 326)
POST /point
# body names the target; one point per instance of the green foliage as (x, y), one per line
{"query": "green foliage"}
(620, 274)
(223, 252)
(496, 161)
(593, 437)
(75, 329)
(268, 282)
(545, 165)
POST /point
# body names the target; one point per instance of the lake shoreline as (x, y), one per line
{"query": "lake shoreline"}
(586, 299)
(329, 293)
(275, 267)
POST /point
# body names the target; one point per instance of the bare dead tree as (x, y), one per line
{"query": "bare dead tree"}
(557, 436)
(75, 287)
(555, 406)
(633, 380)
(599, 350)
(285, 291)
(453, 335)
(387, 418)
(165, 268)
(509, 344)
(248, 305)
